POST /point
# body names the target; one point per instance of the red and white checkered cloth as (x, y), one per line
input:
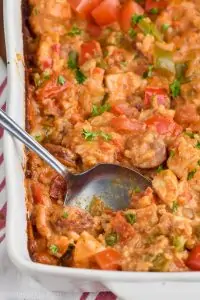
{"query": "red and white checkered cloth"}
(13, 284)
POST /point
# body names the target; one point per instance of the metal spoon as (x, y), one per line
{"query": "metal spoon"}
(112, 183)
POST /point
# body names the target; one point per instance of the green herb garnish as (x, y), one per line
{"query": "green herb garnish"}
(165, 27)
(171, 153)
(190, 134)
(89, 135)
(53, 249)
(191, 174)
(198, 145)
(72, 60)
(65, 215)
(74, 31)
(130, 218)
(149, 72)
(99, 110)
(61, 80)
(105, 136)
(175, 88)
(137, 190)
(136, 19)
(159, 169)
(132, 33)
(174, 207)
(111, 239)
(154, 11)
(80, 77)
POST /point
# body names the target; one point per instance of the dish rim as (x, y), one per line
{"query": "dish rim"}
(17, 258)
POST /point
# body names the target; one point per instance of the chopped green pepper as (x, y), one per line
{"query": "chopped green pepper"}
(163, 60)
(179, 243)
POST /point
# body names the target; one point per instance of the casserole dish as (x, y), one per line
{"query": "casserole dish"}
(127, 284)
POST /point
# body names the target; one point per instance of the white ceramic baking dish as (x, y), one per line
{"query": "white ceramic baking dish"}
(127, 285)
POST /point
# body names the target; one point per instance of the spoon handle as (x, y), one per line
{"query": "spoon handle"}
(9, 124)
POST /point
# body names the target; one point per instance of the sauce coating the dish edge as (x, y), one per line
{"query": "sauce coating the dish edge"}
(115, 81)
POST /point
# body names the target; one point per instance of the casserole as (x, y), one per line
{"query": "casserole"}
(53, 277)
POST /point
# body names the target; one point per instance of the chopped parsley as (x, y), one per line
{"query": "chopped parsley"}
(74, 31)
(174, 207)
(159, 169)
(165, 27)
(38, 138)
(136, 19)
(130, 218)
(171, 153)
(132, 33)
(65, 215)
(191, 174)
(37, 79)
(175, 88)
(99, 110)
(137, 190)
(72, 60)
(80, 77)
(154, 11)
(149, 72)
(89, 135)
(111, 239)
(35, 11)
(190, 134)
(53, 249)
(105, 136)
(46, 75)
(61, 80)
(198, 145)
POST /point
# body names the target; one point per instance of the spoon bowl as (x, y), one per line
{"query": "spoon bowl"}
(112, 183)
(109, 182)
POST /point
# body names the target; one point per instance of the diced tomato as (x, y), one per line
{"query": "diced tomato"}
(37, 193)
(109, 259)
(47, 63)
(160, 4)
(93, 29)
(120, 109)
(128, 10)
(159, 93)
(164, 125)
(89, 50)
(122, 123)
(107, 12)
(122, 227)
(84, 7)
(193, 261)
(51, 88)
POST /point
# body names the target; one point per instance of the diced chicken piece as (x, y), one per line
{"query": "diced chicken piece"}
(58, 245)
(146, 45)
(48, 53)
(146, 151)
(165, 185)
(85, 248)
(65, 219)
(49, 15)
(185, 158)
(146, 218)
(123, 85)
